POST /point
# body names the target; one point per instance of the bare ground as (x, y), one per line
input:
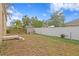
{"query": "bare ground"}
(38, 45)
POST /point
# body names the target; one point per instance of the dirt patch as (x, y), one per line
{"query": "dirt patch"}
(37, 45)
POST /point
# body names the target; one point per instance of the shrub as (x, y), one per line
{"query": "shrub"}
(62, 35)
(8, 31)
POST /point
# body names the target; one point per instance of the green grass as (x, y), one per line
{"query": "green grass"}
(59, 39)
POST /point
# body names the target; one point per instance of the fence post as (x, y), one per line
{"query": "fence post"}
(70, 35)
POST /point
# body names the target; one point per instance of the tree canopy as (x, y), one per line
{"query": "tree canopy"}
(36, 22)
(16, 24)
(57, 19)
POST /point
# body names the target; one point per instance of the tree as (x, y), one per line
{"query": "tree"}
(16, 24)
(57, 19)
(25, 21)
(45, 23)
(35, 22)
(5, 7)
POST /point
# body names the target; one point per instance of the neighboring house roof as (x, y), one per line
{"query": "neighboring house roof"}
(73, 23)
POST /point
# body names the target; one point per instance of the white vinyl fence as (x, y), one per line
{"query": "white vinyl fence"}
(70, 32)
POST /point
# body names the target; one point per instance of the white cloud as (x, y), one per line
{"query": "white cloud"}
(14, 15)
(9, 11)
(66, 6)
(44, 14)
(75, 14)
(13, 7)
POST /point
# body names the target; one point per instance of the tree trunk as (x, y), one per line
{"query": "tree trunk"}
(2, 21)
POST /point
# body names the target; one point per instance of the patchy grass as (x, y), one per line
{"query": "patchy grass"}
(41, 45)
(70, 41)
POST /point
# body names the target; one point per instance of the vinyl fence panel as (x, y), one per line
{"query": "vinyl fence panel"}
(70, 32)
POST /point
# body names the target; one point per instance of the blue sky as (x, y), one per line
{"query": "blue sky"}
(38, 9)
(44, 10)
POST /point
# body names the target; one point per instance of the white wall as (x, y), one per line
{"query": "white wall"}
(70, 32)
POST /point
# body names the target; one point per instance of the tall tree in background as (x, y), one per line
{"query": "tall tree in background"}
(62, 19)
(26, 21)
(57, 19)
(16, 24)
(45, 23)
(36, 22)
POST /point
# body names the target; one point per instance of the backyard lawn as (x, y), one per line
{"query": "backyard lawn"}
(40, 45)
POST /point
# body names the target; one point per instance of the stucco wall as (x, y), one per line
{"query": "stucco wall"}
(70, 32)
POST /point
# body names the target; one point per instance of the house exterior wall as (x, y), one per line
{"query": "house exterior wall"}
(2, 21)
